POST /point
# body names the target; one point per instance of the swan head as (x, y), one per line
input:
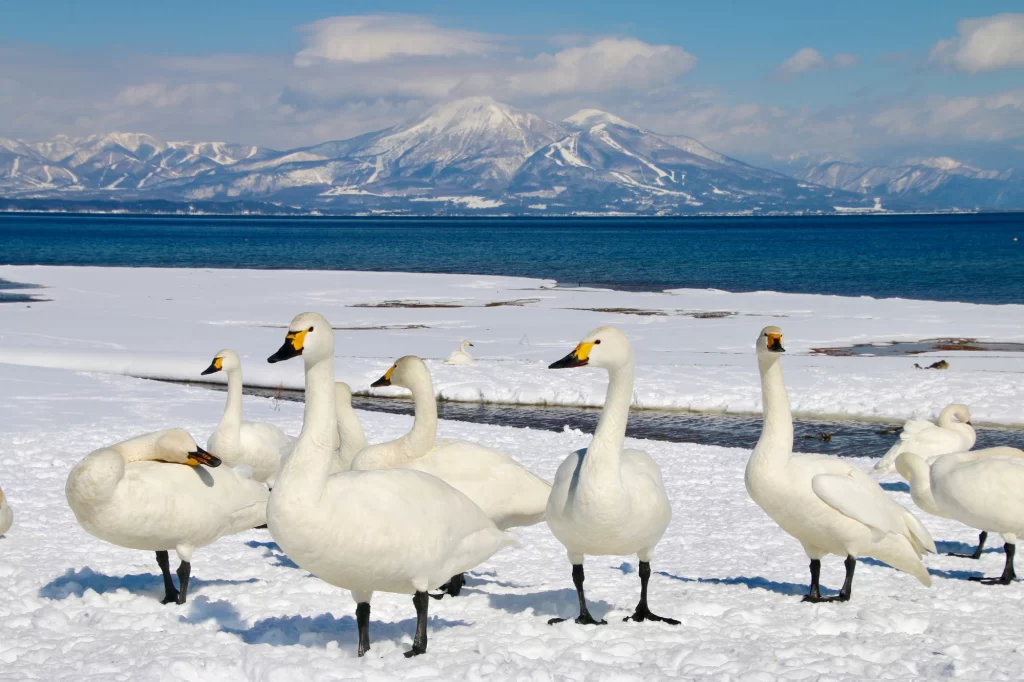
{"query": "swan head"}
(178, 447)
(605, 347)
(467, 342)
(405, 372)
(226, 360)
(961, 412)
(342, 393)
(908, 463)
(309, 335)
(769, 342)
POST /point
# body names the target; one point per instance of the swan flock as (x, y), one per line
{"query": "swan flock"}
(412, 515)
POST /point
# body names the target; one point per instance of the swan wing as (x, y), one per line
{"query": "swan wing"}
(852, 498)
(916, 426)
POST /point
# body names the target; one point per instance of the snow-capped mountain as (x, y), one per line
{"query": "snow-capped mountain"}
(941, 182)
(465, 156)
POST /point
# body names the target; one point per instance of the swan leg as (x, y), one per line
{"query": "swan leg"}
(419, 644)
(814, 596)
(184, 571)
(170, 592)
(452, 588)
(584, 618)
(363, 624)
(977, 553)
(1009, 575)
(642, 612)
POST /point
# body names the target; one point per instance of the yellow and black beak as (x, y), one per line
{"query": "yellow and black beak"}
(215, 366)
(384, 380)
(291, 348)
(775, 343)
(201, 456)
(579, 357)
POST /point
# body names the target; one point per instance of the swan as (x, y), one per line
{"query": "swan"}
(389, 530)
(917, 471)
(6, 515)
(830, 506)
(460, 356)
(606, 500)
(150, 493)
(236, 442)
(349, 430)
(927, 439)
(982, 490)
(510, 495)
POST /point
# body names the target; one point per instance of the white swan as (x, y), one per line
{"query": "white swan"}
(606, 500)
(830, 506)
(6, 515)
(982, 490)
(460, 356)
(917, 471)
(389, 530)
(927, 439)
(236, 442)
(349, 430)
(150, 493)
(510, 495)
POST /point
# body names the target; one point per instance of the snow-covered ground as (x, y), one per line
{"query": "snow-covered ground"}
(169, 322)
(75, 608)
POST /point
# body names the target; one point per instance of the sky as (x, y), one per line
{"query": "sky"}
(875, 81)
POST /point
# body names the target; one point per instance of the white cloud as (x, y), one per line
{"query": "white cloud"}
(378, 37)
(808, 59)
(984, 44)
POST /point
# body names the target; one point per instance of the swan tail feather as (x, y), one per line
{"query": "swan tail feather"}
(900, 552)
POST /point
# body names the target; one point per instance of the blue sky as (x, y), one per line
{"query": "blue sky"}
(871, 75)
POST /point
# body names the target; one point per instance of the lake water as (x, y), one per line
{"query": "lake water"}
(971, 258)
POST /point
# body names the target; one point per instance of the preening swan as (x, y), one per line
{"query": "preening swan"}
(509, 494)
(151, 493)
(236, 442)
(830, 506)
(390, 530)
(606, 500)
(984, 490)
(460, 356)
(927, 439)
(6, 515)
(917, 471)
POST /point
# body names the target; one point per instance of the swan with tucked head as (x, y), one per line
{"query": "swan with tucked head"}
(255, 444)
(927, 439)
(6, 515)
(391, 530)
(460, 356)
(160, 491)
(509, 494)
(608, 500)
(917, 471)
(829, 505)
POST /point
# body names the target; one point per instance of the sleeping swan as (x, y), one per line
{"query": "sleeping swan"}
(151, 493)
(236, 442)
(509, 494)
(607, 500)
(927, 439)
(6, 515)
(460, 356)
(390, 530)
(830, 506)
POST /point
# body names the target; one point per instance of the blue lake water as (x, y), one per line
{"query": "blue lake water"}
(934, 257)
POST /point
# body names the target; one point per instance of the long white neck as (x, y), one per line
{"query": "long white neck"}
(305, 472)
(231, 422)
(604, 455)
(351, 432)
(420, 439)
(463, 346)
(918, 474)
(775, 446)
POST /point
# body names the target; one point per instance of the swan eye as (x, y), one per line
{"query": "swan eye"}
(310, 329)
(597, 342)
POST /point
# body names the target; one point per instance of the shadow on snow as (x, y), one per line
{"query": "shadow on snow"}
(75, 583)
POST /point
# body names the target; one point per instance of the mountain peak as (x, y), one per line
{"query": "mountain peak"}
(588, 118)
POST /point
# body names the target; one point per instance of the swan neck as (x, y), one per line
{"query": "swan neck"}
(423, 434)
(775, 446)
(351, 432)
(319, 416)
(231, 422)
(304, 474)
(610, 435)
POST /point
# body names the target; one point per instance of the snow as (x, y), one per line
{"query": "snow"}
(693, 346)
(74, 607)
